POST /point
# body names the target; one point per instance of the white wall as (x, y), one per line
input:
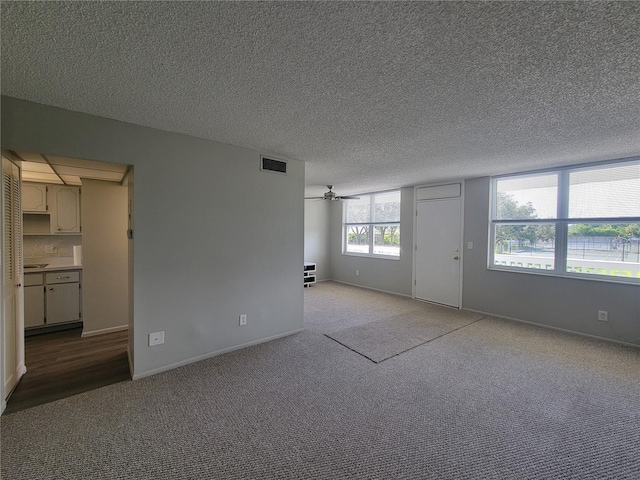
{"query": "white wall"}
(316, 236)
(105, 277)
(382, 274)
(215, 237)
(564, 303)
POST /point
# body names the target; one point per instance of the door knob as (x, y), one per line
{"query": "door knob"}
(456, 257)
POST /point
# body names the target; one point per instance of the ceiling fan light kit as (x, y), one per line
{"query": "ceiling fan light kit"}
(331, 196)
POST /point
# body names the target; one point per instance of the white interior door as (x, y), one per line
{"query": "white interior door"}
(438, 251)
(12, 293)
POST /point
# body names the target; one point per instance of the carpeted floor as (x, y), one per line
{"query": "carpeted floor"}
(382, 339)
(492, 400)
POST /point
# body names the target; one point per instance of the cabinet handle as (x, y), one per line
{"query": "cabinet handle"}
(51, 289)
(60, 278)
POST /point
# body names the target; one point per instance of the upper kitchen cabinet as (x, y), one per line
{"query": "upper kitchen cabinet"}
(64, 207)
(34, 198)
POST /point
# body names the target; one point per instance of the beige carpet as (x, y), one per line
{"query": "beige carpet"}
(380, 340)
(493, 400)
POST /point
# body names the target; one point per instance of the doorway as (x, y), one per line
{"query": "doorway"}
(81, 351)
(438, 245)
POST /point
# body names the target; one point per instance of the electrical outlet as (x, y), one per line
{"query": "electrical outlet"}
(243, 319)
(469, 245)
(357, 273)
(156, 338)
(603, 315)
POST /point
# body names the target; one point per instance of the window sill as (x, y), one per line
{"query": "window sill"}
(371, 255)
(571, 276)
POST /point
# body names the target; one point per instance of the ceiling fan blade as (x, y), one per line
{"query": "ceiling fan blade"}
(347, 197)
(313, 198)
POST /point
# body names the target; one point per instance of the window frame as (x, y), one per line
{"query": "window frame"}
(561, 223)
(371, 225)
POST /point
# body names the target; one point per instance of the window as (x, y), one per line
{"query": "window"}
(372, 225)
(580, 221)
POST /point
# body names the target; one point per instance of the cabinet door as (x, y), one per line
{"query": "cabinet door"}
(65, 209)
(63, 303)
(34, 306)
(34, 197)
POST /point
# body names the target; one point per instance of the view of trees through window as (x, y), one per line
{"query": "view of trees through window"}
(372, 224)
(600, 246)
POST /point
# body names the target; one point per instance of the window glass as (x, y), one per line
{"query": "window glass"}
(359, 210)
(604, 249)
(358, 238)
(372, 225)
(386, 240)
(387, 207)
(581, 221)
(525, 197)
(526, 246)
(609, 191)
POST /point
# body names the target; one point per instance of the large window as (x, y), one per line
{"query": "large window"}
(580, 221)
(372, 225)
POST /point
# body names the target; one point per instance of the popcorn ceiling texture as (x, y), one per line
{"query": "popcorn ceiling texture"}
(370, 95)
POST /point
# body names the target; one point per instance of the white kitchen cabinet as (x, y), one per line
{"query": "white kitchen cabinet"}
(34, 198)
(63, 303)
(64, 206)
(51, 298)
(33, 300)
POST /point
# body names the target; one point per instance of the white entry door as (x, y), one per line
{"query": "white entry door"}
(438, 251)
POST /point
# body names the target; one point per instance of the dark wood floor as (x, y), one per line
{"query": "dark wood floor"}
(62, 364)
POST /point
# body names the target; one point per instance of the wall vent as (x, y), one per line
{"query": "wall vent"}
(271, 165)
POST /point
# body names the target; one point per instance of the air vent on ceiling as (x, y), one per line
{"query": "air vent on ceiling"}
(271, 165)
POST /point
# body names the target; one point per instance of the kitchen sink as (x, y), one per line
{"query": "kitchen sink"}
(36, 265)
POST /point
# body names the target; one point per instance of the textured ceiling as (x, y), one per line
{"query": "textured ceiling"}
(371, 95)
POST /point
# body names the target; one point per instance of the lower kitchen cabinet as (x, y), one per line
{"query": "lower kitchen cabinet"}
(34, 301)
(51, 298)
(63, 303)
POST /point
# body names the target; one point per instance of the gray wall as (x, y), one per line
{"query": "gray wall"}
(382, 274)
(214, 236)
(316, 236)
(564, 303)
(105, 258)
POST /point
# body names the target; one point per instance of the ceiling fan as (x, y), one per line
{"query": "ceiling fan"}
(332, 196)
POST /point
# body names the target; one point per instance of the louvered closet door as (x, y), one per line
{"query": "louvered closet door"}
(13, 338)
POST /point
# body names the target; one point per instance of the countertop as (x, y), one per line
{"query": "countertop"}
(51, 268)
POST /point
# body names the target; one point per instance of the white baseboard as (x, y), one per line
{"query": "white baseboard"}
(369, 288)
(104, 330)
(182, 363)
(550, 327)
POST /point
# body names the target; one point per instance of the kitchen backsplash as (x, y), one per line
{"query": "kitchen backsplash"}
(39, 246)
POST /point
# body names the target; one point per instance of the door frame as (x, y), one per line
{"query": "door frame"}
(415, 234)
(128, 177)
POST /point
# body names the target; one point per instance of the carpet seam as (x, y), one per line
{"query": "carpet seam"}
(408, 349)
